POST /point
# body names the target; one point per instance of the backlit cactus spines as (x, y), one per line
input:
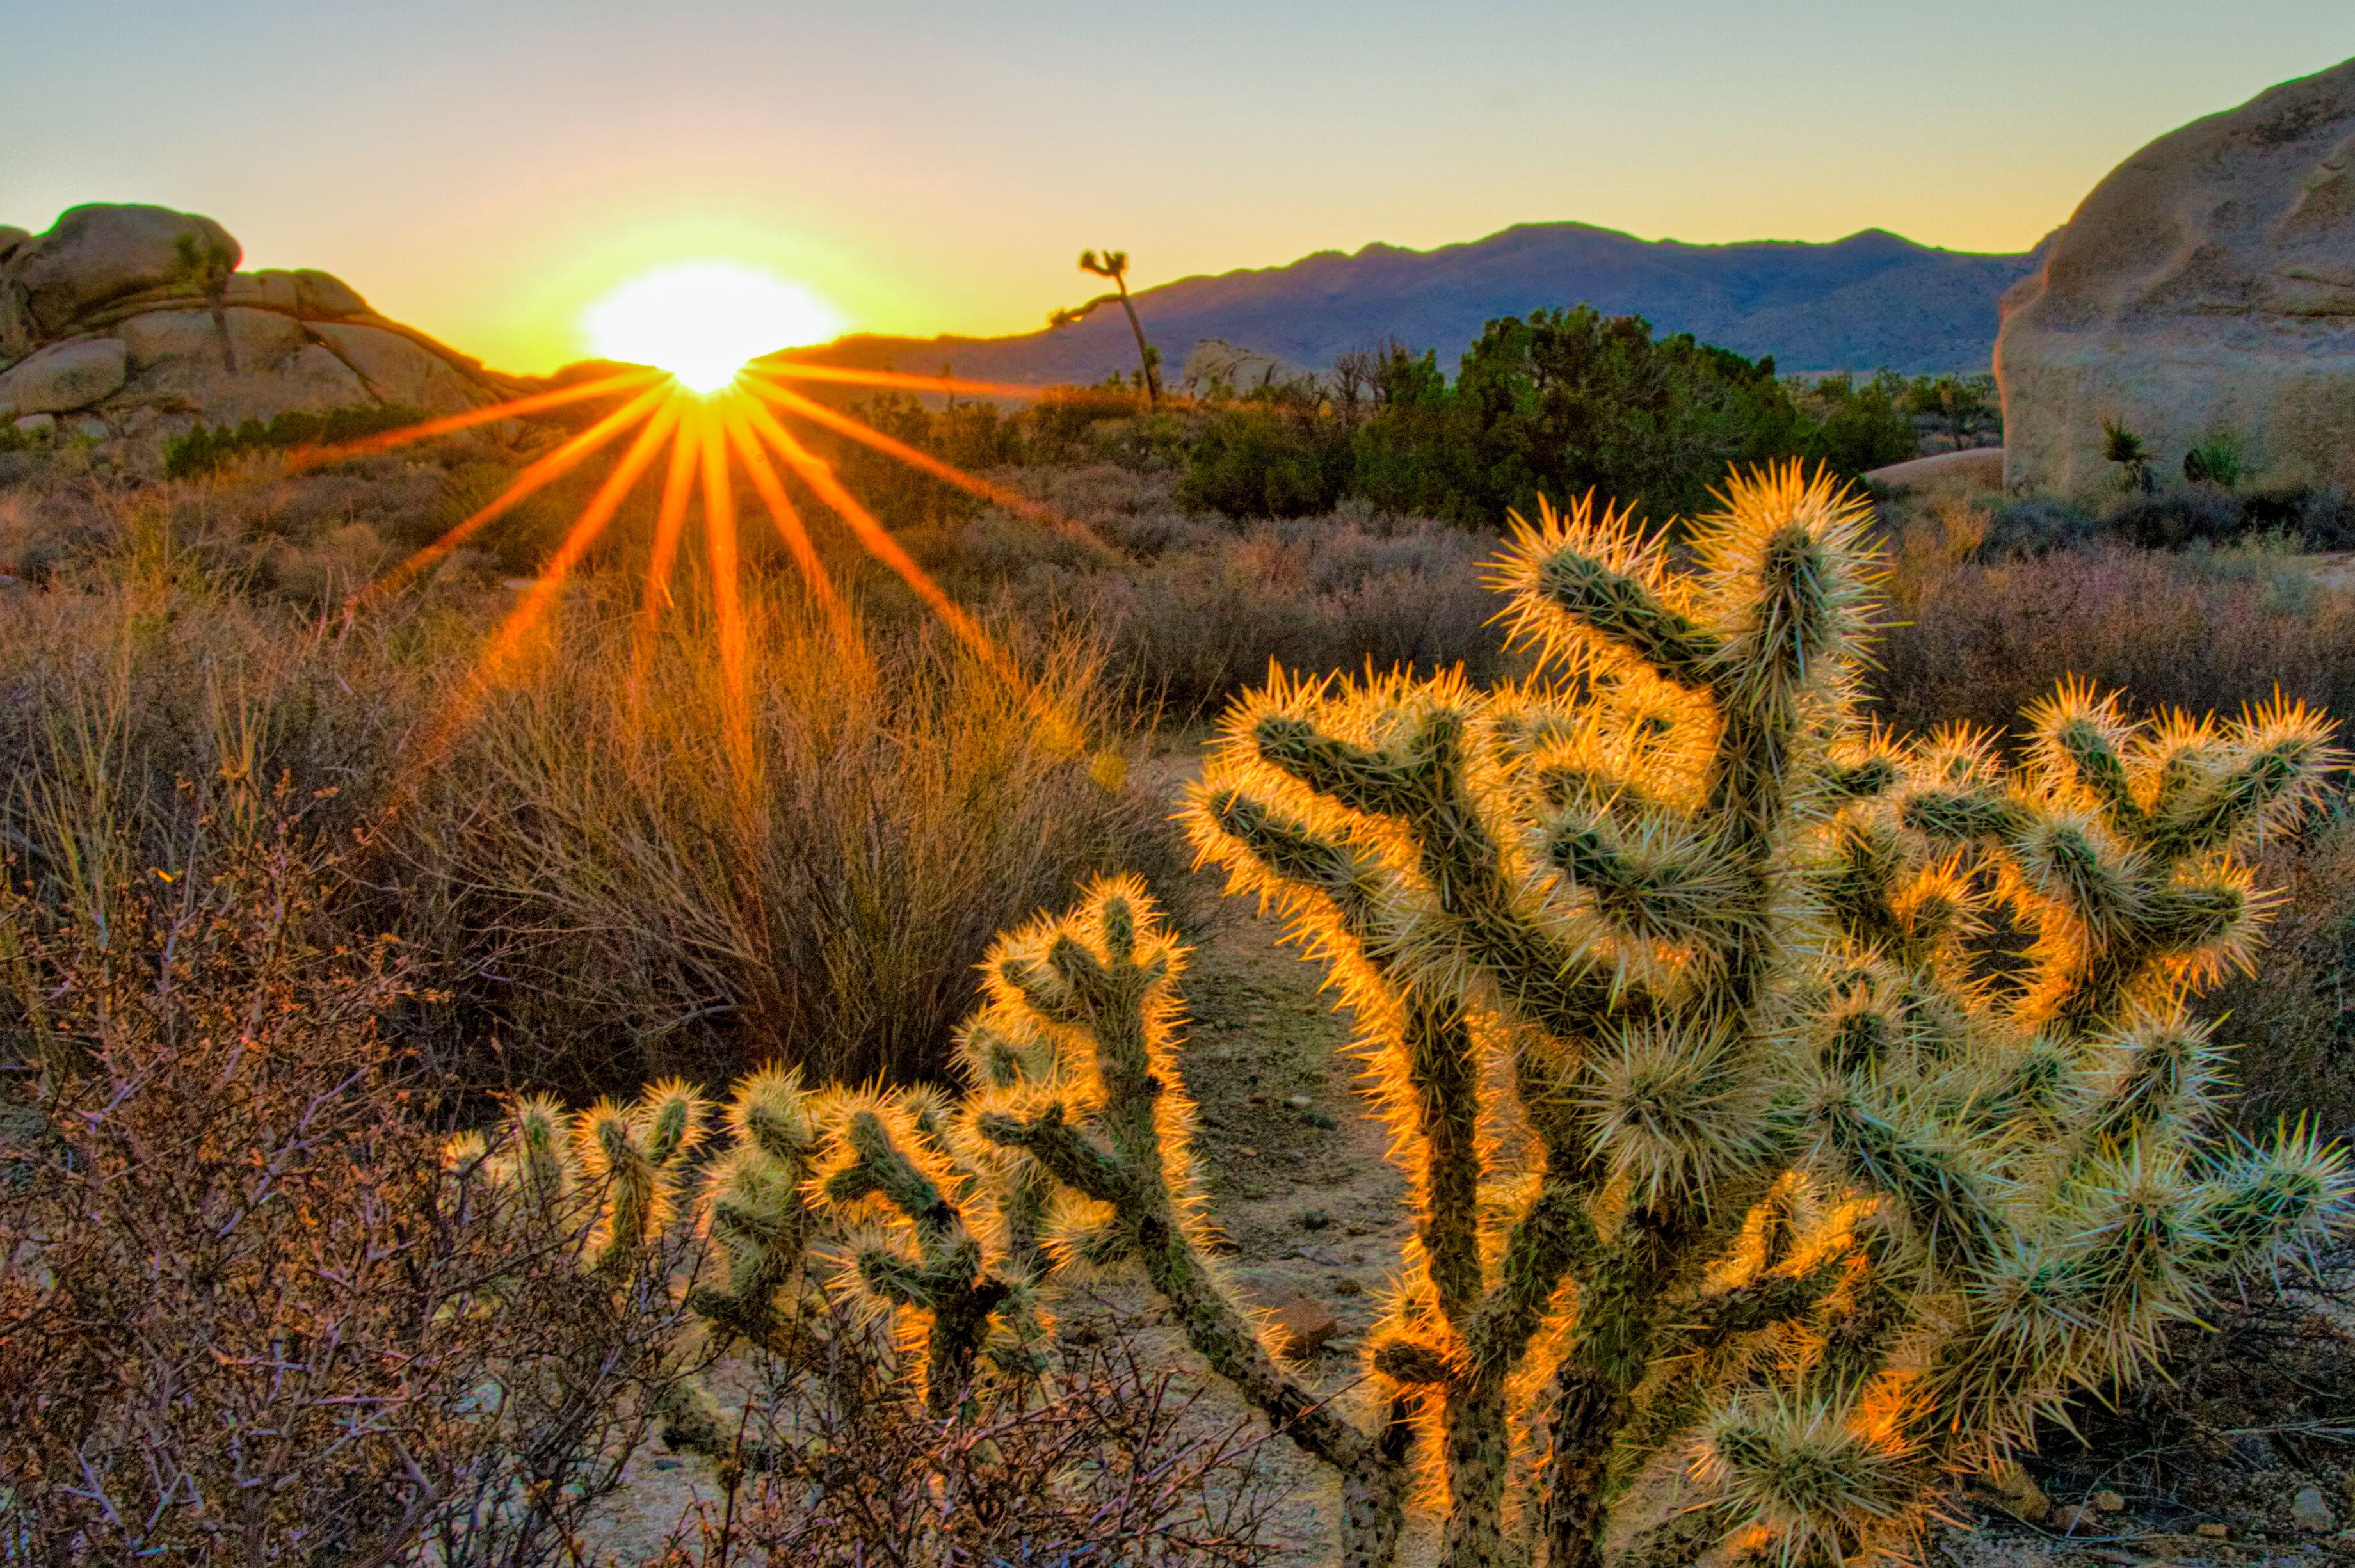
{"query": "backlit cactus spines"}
(1110, 1121)
(757, 1210)
(915, 1255)
(1843, 1206)
(1791, 1113)
(636, 1157)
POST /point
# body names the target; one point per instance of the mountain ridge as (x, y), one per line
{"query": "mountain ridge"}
(1868, 300)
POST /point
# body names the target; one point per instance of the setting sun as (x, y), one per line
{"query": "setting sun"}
(702, 322)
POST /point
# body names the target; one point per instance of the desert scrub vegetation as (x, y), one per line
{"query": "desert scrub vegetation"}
(1188, 610)
(597, 905)
(1987, 627)
(1792, 1115)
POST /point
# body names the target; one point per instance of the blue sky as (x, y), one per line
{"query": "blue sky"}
(489, 169)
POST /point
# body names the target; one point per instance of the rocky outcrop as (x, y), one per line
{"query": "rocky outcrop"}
(2206, 288)
(1216, 365)
(136, 321)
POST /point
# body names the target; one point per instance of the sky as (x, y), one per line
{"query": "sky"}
(488, 170)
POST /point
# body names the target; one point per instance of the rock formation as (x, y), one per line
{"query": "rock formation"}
(133, 321)
(2206, 288)
(1218, 363)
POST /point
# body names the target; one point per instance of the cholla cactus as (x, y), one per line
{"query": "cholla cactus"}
(919, 1255)
(1755, 1193)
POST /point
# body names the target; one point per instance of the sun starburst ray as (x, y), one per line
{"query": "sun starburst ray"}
(786, 517)
(922, 462)
(536, 477)
(543, 593)
(728, 606)
(515, 408)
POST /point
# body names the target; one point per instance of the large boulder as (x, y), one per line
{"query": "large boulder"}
(136, 315)
(2206, 288)
(97, 254)
(67, 376)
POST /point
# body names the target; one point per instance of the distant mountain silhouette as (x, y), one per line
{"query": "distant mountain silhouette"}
(1873, 299)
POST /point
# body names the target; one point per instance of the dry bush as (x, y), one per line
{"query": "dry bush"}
(2200, 631)
(1190, 610)
(1100, 1459)
(2298, 1023)
(245, 1316)
(629, 906)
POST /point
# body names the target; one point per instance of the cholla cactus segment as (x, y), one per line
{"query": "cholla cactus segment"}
(636, 1157)
(1815, 1482)
(889, 1160)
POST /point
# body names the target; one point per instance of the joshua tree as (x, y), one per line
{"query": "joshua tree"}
(1114, 265)
(1792, 1115)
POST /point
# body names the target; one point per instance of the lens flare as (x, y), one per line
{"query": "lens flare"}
(702, 322)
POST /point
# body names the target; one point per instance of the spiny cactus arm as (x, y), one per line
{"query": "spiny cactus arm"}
(948, 1278)
(2285, 1196)
(1419, 785)
(638, 1153)
(1104, 971)
(1579, 582)
(1339, 896)
(1936, 1178)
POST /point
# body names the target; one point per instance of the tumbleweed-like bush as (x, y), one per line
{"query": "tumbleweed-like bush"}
(1794, 1116)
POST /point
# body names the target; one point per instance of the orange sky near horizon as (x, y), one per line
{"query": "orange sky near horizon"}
(488, 171)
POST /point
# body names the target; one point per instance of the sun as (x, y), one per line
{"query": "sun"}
(703, 321)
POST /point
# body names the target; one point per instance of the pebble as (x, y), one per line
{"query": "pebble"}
(2074, 1518)
(2109, 1502)
(1324, 1257)
(1300, 1102)
(2308, 1511)
(2212, 1530)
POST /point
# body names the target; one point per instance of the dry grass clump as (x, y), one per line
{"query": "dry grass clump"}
(2201, 630)
(569, 855)
(628, 905)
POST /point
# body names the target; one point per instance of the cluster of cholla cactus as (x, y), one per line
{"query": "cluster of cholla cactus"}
(1792, 1115)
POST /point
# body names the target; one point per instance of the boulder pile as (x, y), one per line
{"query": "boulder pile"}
(2205, 289)
(135, 321)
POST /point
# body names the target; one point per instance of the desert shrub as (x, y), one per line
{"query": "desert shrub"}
(1563, 401)
(203, 448)
(1188, 610)
(2217, 461)
(2200, 631)
(1095, 1458)
(1261, 460)
(244, 1313)
(649, 909)
(1852, 428)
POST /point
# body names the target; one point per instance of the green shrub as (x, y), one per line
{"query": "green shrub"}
(1260, 461)
(203, 449)
(2216, 461)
